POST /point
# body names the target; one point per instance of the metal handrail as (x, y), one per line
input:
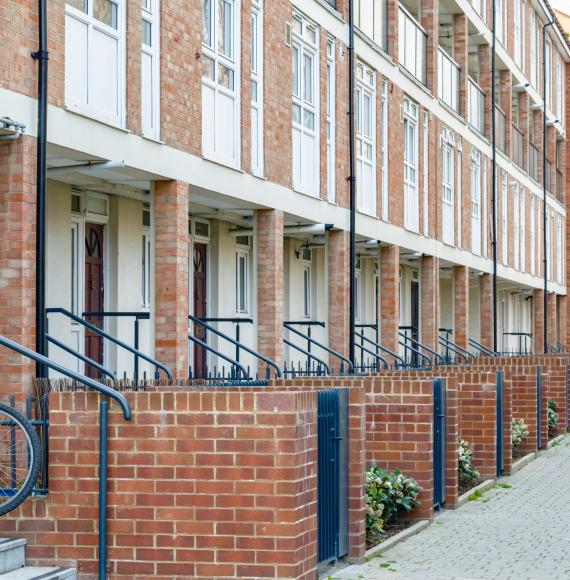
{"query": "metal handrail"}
(311, 340)
(201, 322)
(483, 349)
(561, 347)
(111, 338)
(82, 357)
(106, 391)
(419, 345)
(380, 347)
(308, 354)
(416, 351)
(451, 346)
(520, 335)
(211, 349)
(375, 355)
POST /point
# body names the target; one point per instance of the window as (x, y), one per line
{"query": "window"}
(412, 45)
(500, 22)
(357, 293)
(370, 17)
(476, 202)
(331, 121)
(220, 81)
(307, 291)
(257, 88)
(150, 69)
(533, 48)
(559, 251)
(448, 182)
(305, 107)
(523, 230)
(532, 235)
(480, 7)
(548, 246)
(146, 269)
(75, 284)
(384, 150)
(516, 227)
(426, 177)
(559, 91)
(504, 213)
(242, 281)
(365, 139)
(548, 73)
(518, 31)
(94, 58)
(411, 145)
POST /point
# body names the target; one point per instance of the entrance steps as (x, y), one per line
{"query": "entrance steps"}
(13, 564)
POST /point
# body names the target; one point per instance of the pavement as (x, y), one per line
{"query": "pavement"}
(519, 530)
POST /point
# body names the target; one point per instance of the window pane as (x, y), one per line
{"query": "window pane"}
(207, 21)
(225, 77)
(105, 11)
(296, 114)
(308, 78)
(296, 88)
(79, 4)
(207, 68)
(367, 115)
(225, 28)
(147, 32)
(309, 120)
(254, 43)
(254, 91)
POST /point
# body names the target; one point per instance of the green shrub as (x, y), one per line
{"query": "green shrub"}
(387, 494)
(519, 432)
(552, 418)
(467, 471)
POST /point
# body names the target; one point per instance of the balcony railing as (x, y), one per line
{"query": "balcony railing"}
(559, 186)
(501, 129)
(476, 105)
(479, 6)
(533, 162)
(448, 84)
(548, 177)
(412, 45)
(518, 146)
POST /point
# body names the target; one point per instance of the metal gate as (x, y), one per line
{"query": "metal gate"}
(500, 422)
(439, 443)
(332, 474)
(539, 406)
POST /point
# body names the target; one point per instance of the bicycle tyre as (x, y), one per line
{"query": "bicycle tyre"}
(33, 445)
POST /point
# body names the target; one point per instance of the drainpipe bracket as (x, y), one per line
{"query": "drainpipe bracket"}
(40, 55)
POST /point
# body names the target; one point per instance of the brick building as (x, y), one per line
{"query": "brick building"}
(198, 161)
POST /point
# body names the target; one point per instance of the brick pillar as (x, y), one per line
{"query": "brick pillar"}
(269, 248)
(461, 38)
(461, 299)
(429, 19)
(171, 275)
(486, 311)
(485, 84)
(552, 318)
(338, 277)
(562, 317)
(17, 261)
(505, 98)
(429, 312)
(538, 321)
(393, 12)
(390, 297)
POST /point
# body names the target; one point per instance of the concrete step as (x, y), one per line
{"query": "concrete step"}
(40, 573)
(12, 554)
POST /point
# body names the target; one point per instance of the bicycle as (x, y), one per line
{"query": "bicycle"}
(19, 458)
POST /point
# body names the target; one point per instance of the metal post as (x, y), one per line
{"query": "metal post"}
(45, 441)
(42, 56)
(238, 341)
(494, 177)
(544, 147)
(103, 433)
(352, 187)
(137, 334)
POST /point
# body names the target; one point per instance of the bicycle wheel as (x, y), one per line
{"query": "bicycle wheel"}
(19, 458)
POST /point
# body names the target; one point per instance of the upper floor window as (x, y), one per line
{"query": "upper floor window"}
(448, 183)
(305, 106)
(500, 20)
(480, 7)
(94, 59)
(504, 215)
(518, 32)
(411, 169)
(532, 241)
(220, 80)
(365, 139)
(533, 29)
(476, 202)
(257, 88)
(370, 17)
(242, 280)
(384, 149)
(548, 73)
(150, 69)
(331, 120)
(559, 90)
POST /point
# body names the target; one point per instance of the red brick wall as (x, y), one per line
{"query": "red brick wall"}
(390, 296)
(201, 484)
(461, 305)
(525, 403)
(338, 293)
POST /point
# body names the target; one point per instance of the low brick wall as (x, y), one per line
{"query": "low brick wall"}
(201, 484)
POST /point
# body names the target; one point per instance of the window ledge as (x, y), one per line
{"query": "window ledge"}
(306, 194)
(451, 110)
(92, 116)
(156, 140)
(332, 10)
(414, 79)
(373, 45)
(221, 163)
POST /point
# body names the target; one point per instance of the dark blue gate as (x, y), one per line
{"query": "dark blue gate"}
(500, 422)
(439, 443)
(539, 406)
(333, 474)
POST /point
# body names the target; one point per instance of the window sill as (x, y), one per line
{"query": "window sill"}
(221, 163)
(91, 115)
(156, 140)
(306, 194)
(451, 110)
(414, 79)
(373, 45)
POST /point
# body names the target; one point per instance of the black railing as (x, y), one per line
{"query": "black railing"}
(415, 351)
(311, 358)
(451, 351)
(482, 350)
(107, 392)
(378, 350)
(524, 343)
(236, 368)
(105, 335)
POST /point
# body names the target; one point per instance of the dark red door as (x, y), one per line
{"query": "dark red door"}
(94, 292)
(200, 307)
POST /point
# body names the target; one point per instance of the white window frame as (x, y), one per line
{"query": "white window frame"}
(476, 202)
(532, 235)
(480, 6)
(366, 138)
(371, 18)
(151, 15)
(533, 48)
(559, 90)
(242, 298)
(548, 73)
(307, 289)
(384, 145)
(559, 250)
(118, 34)
(448, 187)
(331, 120)
(505, 219)
(76, 269)
(518, 32)
(522, 202)
(410, 112)
(425, 162)
(146, 268)
(501, 20)
(516, 227)
(358, 294)
(548, 245)
(257, 143)
(305, 45)
(231, 62)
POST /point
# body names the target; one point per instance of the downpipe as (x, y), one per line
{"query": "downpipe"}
(352, 188)
(103, 469)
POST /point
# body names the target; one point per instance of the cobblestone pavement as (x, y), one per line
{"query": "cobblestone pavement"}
(521, 532)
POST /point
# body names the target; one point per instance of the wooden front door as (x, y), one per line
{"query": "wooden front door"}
(200, 257)
(94, 292)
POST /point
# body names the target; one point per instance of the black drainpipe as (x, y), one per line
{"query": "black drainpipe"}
(42, 56)
(352, 184)
(495, 184)
(544, 147)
